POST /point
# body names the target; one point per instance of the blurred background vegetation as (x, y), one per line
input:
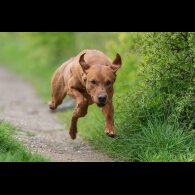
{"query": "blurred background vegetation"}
(36, 55)
(154, 97)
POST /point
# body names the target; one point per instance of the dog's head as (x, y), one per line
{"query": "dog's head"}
(99, 79)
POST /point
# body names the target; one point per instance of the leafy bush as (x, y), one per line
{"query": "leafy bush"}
(166, 92)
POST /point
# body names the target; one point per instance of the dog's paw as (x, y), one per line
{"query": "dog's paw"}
(72, 135)
(51, 105)
(110, 133)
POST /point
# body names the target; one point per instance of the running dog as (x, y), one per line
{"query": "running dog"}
(88, 78)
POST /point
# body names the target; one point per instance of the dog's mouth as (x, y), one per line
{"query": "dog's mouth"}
(101, 104)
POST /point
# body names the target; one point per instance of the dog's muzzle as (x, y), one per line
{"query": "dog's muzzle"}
(102, 100)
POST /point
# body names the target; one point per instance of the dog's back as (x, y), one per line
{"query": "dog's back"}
(93, 57)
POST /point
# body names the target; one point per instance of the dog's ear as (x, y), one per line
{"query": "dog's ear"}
(83, 64)
(116, 64)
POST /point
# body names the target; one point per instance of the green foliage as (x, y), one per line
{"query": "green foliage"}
(166, 91)
(53, 46)
(168, 70)
(125, 44)
(11, 150)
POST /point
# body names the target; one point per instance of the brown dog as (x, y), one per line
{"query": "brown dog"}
(88, 78)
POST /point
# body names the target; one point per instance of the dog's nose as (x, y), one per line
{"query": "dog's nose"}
(102, 98)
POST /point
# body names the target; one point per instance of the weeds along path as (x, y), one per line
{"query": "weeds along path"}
(38, 128)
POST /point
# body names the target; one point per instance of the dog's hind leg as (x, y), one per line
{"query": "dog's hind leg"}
(58, 90)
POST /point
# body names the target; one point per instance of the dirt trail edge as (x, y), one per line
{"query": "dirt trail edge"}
(38, 128)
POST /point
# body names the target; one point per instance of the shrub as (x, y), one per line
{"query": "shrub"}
(166, 91)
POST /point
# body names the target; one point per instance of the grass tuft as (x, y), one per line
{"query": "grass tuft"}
(12, 150)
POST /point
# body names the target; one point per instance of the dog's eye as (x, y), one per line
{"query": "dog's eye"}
(108, 83)
(94, 82)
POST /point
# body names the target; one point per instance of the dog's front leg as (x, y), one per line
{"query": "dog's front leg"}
(79, 111)
(108, 111)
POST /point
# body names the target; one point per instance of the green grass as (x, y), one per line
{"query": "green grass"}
(155, 142)
(162, 142)
(12, 150)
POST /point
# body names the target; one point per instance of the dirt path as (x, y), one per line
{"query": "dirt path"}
(39, 130)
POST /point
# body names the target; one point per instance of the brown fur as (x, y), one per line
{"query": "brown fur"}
(88, 78)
